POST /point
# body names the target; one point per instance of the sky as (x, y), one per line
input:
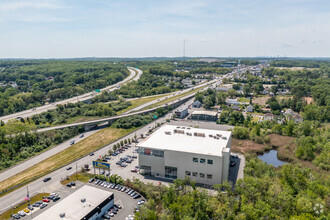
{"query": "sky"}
(158, 28)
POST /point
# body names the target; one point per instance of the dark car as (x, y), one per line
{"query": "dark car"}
(68, 168)
(118, 162)
(137, 196)
(91, 154)
(91, 180)
(113, 154)
(232, 163)
(73, 183)
(47, 179)
(56, 198)
(43, 205)
(68, 185)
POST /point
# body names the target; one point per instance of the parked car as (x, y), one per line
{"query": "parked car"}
(46, 200)
(118, 162)
(91, 180)
(43, 205)
(26, 210)
(82, 135)
(134, 170)
(47, 179)
(91, 154)
(68, 168)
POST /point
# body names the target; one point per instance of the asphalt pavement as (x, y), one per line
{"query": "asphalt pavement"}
(86, 96)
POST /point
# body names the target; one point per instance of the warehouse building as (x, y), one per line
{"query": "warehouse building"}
(204, 115)
(176, 152)
(87, 203)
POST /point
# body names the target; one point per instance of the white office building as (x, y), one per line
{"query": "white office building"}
(175, 152)
(87, 203)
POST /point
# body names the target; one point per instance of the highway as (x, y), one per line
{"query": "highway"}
(134, 111)
(134, 75)
(38, 185)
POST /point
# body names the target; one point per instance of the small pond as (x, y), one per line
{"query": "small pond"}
(271, 158)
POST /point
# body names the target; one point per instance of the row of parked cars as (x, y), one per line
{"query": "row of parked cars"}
(124, 160)
(39, 204)
(118, 187)
(112, 211)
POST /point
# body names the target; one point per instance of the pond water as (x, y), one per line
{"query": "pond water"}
(271, 158)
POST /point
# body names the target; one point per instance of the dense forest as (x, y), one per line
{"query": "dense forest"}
(28, 84)
(18, 147)
(292, 192)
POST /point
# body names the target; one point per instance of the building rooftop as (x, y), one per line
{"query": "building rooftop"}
(72, 205)
(187, 139)
(211, 113)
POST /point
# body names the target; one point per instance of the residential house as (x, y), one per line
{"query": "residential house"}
(268, 117)
(249, 108)
(232, 102)
(197, 104)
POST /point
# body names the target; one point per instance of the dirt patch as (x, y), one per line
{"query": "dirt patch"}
(309, 100)
(261, 100)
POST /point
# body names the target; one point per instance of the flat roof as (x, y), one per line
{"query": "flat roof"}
(201, 141)
(212, 113)
(72, 205)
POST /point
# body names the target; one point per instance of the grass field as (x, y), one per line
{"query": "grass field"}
(21, 206)
(76, 151)
(141, 101)
(82, 177)
(175, 97)
(81, 118)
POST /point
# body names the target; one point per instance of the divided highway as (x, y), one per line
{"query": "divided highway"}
(134, 75)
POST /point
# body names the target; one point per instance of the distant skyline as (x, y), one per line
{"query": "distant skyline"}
(145, 28)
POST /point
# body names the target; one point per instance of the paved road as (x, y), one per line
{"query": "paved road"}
(106, 119)
(134, 75)
(54, 184)
(44, 155)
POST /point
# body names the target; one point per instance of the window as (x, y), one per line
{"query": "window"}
(202, 175)
(209, 176)
(202, 160)
(158, 153)
(171, 172)
(210, 162)
(195, 174)
(195, 159)
(145, 170)
(188, 173)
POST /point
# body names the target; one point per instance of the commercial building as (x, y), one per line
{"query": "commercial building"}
(87, 203)
(181, 112)
(176, 152)
(204, 115)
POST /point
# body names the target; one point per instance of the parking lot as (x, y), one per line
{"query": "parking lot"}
(126, 202)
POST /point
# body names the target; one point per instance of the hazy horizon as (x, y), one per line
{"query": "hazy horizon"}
(36, 29)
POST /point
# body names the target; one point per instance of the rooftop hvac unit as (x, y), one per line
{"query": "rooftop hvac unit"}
(83, 200)
(224, 138)
(188, 133)
(210, 135)
(199, 134)
(179, 131)
(219, 135)
(168, 132)
(183, 127)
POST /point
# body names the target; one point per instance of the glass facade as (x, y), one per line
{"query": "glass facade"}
(150, 152)
(202, 175)
(210, 162)
(145, 170)
(209, 176)
(202, 160)
(171, 172)
(194, 173)
(188, 173)
(195, 159)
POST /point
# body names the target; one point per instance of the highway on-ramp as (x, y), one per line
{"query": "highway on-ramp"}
(134, 75)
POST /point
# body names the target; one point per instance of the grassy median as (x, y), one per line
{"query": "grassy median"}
(76, 151)
(21, 206)
(141, 101)
(174, 98)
